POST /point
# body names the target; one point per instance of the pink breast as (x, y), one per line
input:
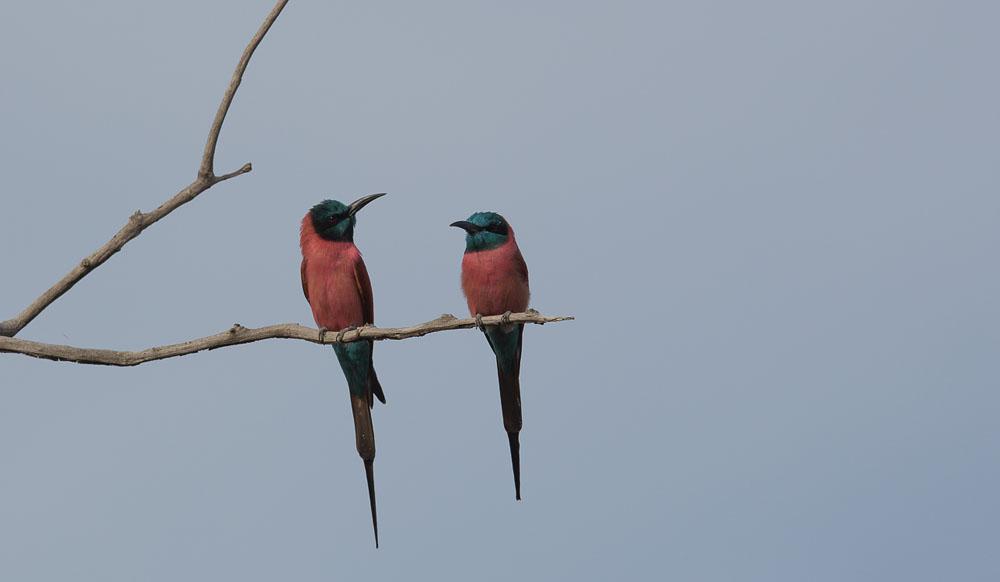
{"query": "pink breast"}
(495, 281)
(331, 283)
(333, 292)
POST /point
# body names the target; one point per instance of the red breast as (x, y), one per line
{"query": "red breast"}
(496, 280)
(329, 271)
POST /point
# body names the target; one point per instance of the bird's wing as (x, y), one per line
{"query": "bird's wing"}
(364, 286)
(305, 281)
(521, 267)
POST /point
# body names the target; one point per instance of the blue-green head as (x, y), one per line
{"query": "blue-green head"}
(333, 220)
(484, 231)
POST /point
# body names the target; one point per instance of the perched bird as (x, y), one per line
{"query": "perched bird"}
(495, 281)
(336, 285)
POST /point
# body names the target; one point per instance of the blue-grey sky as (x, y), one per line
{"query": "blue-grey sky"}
(776, 223)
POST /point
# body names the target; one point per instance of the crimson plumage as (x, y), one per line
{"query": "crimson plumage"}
(335, 281)
(495, 281)
(336, 285)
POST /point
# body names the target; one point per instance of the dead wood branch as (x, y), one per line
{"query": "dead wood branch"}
(243, 335)
(139, 221)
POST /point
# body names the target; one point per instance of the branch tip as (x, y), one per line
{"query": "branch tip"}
(244, 169)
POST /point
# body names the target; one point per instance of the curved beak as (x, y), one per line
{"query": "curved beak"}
(466, 226)
(362, 202)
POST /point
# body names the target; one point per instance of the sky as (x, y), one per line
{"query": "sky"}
(774, 222)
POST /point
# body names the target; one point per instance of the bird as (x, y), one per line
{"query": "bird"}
(495, 282)
(336, 285)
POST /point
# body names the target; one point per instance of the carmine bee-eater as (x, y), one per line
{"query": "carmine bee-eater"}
(336, 285)
(495, 281)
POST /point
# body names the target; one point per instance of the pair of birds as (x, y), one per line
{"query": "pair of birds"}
(336, 285)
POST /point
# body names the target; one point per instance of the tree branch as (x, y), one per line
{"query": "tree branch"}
(242, 335)
(139, 221)
(206, 171)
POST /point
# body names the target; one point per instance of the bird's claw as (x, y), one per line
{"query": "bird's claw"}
(479, 321)
(505, 318)
(341, 333)
(322, 335)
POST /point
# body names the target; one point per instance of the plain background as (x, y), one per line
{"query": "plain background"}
(776, 223)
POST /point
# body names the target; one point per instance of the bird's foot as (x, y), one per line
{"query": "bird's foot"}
(322, 334)
(479, 321)
(505, 318)
(340, 334)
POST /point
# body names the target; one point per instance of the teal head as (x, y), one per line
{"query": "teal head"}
(484, 231)
(335, 221)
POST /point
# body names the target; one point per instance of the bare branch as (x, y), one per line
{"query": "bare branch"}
(245, 168)
(206, 172)
(243, 335)
(139, 221)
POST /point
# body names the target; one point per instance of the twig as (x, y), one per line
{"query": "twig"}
(139, 221)
(243, 335)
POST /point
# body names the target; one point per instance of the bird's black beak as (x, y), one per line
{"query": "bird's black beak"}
(362, 202)
(467, 226)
